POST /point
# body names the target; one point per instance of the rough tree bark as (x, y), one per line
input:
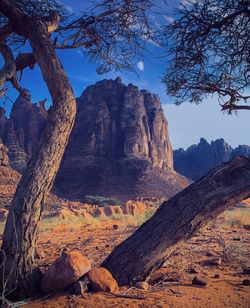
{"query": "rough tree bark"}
(178, 220)
(21, 229)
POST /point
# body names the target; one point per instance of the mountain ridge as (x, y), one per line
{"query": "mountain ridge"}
(199, 158)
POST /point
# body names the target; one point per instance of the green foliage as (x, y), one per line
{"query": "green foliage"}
(208, 44)
(101, 201)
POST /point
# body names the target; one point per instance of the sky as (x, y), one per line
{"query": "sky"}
(187, 122)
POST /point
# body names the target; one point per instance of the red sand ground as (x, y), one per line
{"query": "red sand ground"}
(171, 285)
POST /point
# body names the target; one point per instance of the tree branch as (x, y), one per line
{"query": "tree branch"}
(5, 31)
(25, 60)
(16, 17)
(9, 68)
(234, 107)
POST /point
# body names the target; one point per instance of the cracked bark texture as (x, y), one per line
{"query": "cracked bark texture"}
(178, 219)
(21, 229)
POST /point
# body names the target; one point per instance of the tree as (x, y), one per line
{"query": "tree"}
(178, 219)
(209, 48)
(111, 32)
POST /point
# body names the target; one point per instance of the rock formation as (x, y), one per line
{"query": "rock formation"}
(119, 146)
(4, 158)
(198, 159)
(8, 178)
(21, 132)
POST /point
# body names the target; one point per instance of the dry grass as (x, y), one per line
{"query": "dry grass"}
(75, 222)
(236, 218)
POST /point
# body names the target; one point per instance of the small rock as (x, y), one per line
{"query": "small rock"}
(79, 287)
(246, 270)
(192, 270)
(115, 227)
(199, 281)
(100, 279)
(216, 276)
(246, 282)
(107, 245)
(209, 254)
(212, 262)
(67, 269)
(237, 239)
(143, 285)
(39, 254)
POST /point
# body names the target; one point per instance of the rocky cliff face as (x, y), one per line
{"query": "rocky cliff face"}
(198, 159)
(8, 178)
(21, 132)
(119, 146)
(4, 159)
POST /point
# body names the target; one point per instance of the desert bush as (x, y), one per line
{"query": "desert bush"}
(101, 201)
(237, 218)
(232, 252)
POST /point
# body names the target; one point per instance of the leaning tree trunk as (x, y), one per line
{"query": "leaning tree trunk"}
(21, 228)
(179, 219)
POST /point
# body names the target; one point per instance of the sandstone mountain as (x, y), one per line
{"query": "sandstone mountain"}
(21, 132)
(119, 146)
(198, 159)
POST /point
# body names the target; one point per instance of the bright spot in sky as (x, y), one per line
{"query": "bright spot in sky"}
(140, 65)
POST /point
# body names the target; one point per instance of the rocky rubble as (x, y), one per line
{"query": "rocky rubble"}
(73, 271)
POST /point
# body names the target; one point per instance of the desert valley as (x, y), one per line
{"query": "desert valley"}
(116, 172)
(124, 153)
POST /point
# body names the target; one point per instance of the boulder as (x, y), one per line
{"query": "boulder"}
(143, 285)
(79, 287)
(216, 261)
(199, 281)
(101, 280)
(67, 269)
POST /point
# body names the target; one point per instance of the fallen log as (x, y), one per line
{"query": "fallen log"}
(178, 219)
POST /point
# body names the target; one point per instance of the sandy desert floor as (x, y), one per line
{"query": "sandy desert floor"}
(225, 241)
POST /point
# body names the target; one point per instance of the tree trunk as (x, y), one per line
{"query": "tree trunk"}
(20, 234)
(178, 220)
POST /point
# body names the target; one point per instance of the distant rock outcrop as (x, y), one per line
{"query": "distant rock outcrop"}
(8, 178)
(21, 132)
(198, 159)
(4, 159)
(119, 146)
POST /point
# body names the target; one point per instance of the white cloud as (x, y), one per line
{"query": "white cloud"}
(169, 19)
(69, 8)
(140, 65)
(79, 52)
(187, 3)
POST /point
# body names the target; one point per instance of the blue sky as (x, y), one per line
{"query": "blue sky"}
(187, 122)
